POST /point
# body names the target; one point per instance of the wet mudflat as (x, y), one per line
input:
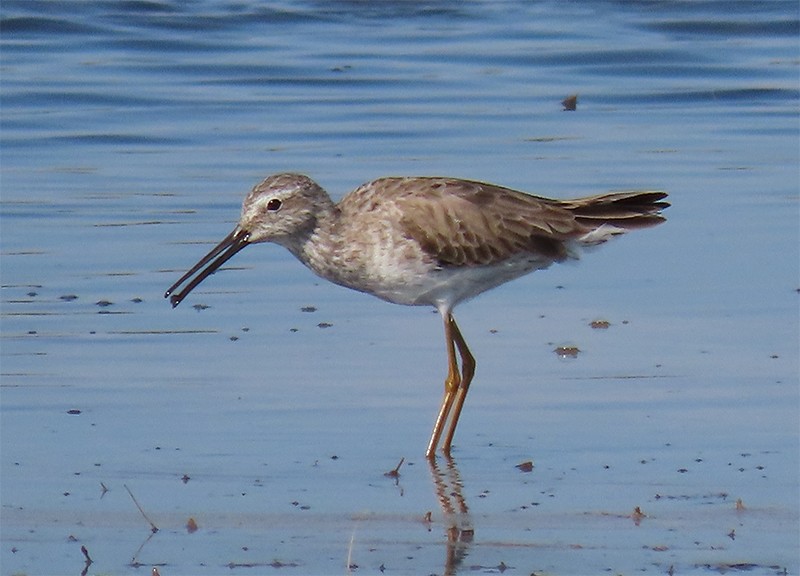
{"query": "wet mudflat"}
(634, 413)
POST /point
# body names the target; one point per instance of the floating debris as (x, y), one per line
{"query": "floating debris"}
(525, 466)
(567, 351)
(570, 103)
(153, 527)
(396, 472)
(88, 561)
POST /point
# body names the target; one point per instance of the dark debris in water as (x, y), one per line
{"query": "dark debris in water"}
(525, 466)
(68, 297)
(707, 496)
(570, 103)
(395, 473)
(500, 568)
(725, 568)
(567, 351)
(273, 564)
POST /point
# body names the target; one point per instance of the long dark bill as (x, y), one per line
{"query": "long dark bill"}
(221, 253)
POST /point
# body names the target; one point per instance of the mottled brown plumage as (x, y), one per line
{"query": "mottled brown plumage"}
(426, 241)
(464, 223)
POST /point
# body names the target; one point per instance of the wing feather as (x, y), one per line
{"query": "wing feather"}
(461, 222)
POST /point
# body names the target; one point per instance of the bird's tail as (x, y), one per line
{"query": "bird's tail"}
(608, 215)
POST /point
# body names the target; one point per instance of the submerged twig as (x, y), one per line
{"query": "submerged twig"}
(153, 527)
(134, 562)
(350, 564)
(396, 472)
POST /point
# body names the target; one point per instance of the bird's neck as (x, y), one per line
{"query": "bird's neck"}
(318, 246)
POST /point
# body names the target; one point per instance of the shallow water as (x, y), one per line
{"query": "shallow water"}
(132, 130)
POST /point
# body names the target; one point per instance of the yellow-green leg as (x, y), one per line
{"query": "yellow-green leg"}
(467, 372)
(455, 386)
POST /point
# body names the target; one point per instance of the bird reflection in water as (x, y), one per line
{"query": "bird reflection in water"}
(450, 493)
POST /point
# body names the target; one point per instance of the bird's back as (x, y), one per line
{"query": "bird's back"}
(466, 223)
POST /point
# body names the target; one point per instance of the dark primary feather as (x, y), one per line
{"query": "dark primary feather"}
(634, 209)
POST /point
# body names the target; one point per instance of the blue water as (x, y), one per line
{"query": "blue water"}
(129, 133)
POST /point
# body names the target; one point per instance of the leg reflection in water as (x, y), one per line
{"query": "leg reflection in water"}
(449, 491)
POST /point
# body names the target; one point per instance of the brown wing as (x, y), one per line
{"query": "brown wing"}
(461, 222)
(468, 223)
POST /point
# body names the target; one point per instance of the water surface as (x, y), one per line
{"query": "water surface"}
(132, 130)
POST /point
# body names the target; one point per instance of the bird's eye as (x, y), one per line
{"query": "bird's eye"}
(274, 205)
